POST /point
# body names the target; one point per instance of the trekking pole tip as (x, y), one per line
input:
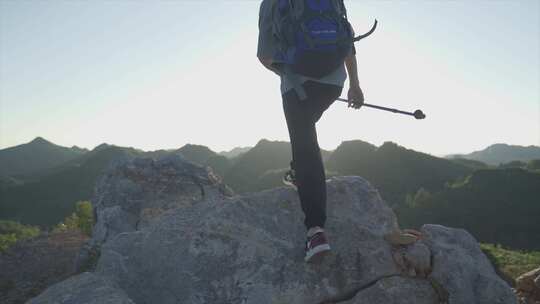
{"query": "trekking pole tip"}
(418, 114)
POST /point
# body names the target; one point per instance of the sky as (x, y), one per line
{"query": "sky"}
(161, 74)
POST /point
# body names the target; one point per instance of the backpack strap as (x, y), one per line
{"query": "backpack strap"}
(339, 6)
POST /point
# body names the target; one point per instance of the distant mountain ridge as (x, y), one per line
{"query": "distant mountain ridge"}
(497, 205)
(51, 197)
(235, 152)
(249, 167)
(396, 171)
(204, 156)
(37, 155)
(502, 153)
(393, 169)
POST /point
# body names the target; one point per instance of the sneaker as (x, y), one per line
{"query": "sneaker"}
(289, 179)
(316, 246)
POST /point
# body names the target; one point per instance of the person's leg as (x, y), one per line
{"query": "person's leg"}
(326, 95)
(301, 117)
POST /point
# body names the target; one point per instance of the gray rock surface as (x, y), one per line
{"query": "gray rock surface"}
(248, 249)
(133, 193)
(462, 268)
(397, 290)
(169, 232)
(85, 288)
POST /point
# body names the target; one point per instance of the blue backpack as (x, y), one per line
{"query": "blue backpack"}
(314, 36)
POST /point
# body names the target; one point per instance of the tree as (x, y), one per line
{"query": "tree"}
(82, 219)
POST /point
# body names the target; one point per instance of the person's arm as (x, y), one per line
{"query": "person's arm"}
(352, 69)
(266, 46)
(355, 94)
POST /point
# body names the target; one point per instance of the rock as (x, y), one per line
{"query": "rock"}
(462, 268)
(133, 193)
(528, 281)
(397, 290)
(413, 260)
(171, 233)
(29, 266)
(85, 288)
(249, 249)
(528, 286)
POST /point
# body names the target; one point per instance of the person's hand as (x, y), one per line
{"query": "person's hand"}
(355, 97)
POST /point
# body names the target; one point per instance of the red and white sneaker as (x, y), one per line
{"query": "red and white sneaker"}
(316, 245)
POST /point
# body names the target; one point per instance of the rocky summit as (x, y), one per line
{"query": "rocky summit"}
(169, 231)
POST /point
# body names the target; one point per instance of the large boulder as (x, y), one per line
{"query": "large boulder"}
(196, 243)
(84, 288)
(133, 193)
(460, 266)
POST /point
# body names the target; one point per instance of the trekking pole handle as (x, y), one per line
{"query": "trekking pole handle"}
(358, 38)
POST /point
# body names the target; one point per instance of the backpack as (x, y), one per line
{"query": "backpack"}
(314, 36)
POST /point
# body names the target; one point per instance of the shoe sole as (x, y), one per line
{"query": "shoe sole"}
(317, 254)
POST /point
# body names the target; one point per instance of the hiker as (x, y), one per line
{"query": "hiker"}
(308, 88)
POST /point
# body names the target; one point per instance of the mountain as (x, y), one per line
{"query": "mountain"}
(204, 156)
(263, 166)
(394, 170)
(35, 156)
(52, 193)
(245, 173)
(190, 241)
(196, 153)
(499, 206)
(50, 199)
(235, 152)
(473, 164)
(502, 153)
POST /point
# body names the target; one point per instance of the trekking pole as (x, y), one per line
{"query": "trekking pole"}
(418, 114)
(358, 38)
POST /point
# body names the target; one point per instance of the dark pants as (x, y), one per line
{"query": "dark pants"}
(301, 117)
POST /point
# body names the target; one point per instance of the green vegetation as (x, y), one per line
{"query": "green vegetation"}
(82, 219)
(511, 263)
(513, 164)
(49, 200)
(12, 232)
(534, 165)
(473, 164)
(495, 205)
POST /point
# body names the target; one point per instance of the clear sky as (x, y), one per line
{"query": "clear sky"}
(160, 74)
